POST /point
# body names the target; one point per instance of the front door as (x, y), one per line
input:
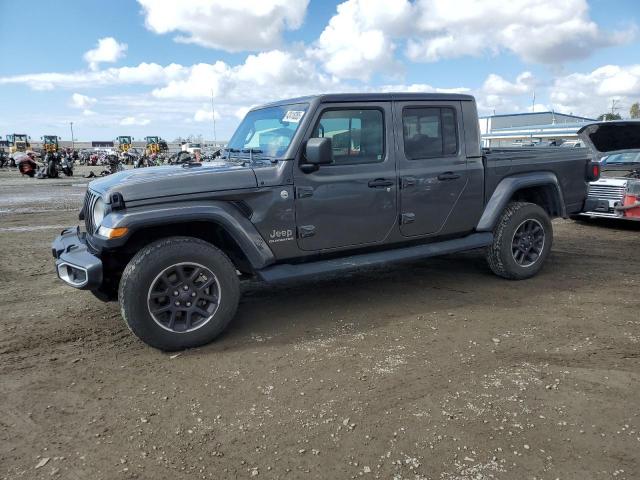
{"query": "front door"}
(352, 201)
(432, 166)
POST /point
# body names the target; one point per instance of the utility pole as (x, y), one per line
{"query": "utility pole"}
(614, 107)
(213, 117)
(533, 102)
(72, 141)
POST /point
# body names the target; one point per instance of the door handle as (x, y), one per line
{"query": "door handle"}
(448, 176)
(380, 183)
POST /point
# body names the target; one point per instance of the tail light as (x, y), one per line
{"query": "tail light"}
(593, 171)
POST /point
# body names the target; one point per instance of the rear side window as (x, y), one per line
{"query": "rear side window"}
(357, 136)
(429, 132)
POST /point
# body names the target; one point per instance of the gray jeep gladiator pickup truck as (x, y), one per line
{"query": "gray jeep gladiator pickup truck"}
(310, 186)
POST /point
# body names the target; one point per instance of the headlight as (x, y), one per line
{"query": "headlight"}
(98, 212)
(112, 232)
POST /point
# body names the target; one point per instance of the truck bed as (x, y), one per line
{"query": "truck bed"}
(568, 164)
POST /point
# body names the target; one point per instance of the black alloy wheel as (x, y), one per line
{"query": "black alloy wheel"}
(184, 297)
(528, 243)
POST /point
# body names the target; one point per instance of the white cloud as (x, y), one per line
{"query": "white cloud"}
(241, 112)
(500, 95)
(541, 31)
(205, 115)
(362, 36)
(82, 101)
(87, 113)
(592, 93)
(497, 85)
(419, 88)
(108, 50)
(262, 77)
(144, 74)
(358, 38)
(228, 25)
(135, 121)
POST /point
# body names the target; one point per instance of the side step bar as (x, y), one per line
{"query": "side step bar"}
(277, 273)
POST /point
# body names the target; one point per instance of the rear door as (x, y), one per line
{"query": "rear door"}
(432, 166)
(351, 202)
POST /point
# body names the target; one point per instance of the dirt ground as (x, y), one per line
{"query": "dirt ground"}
(430, 370)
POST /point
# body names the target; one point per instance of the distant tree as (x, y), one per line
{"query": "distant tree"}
(634, 111)
(609, 116)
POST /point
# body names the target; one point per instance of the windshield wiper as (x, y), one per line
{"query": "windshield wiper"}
(251, 152)
(230, 151)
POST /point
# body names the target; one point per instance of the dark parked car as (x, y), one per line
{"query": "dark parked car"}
(310, 186)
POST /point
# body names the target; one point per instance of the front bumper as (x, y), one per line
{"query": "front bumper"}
(75, 264)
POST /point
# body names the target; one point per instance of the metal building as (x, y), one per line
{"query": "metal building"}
(520, 129)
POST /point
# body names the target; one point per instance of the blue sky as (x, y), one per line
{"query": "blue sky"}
(161, 60)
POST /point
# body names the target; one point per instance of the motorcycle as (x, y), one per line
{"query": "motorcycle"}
(54, 163)
(180, 158)
(51, 162)
(146, 161)
(113, 163)
(67, 164)
(27, 166)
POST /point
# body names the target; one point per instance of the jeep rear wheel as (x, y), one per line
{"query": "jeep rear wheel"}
(522, 240)
(179, 292)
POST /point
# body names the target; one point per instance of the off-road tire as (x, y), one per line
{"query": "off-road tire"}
(499, 254)
(142, 270)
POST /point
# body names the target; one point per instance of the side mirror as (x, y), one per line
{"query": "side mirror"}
(317, 152)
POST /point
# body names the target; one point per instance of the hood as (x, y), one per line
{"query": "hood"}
(165, 181)
(614, 136)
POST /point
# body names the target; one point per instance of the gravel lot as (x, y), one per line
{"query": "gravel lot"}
(429, 370)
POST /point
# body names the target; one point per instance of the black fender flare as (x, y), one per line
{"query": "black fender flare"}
(510, 185)
(221, 213)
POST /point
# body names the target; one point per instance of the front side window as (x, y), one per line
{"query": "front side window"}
(268, 130)
(357, 136)
(429, 132)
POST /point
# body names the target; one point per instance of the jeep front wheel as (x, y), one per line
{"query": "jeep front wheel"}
(178, 292)
(522, 240)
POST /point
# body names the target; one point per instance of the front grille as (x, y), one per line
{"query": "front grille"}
(90, 200)
(606, 192)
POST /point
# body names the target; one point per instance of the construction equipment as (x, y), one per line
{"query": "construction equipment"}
(50, 143)
(153, 145)
(18, 142)
(124, 143)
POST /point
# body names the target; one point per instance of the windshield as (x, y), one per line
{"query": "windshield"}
(268, 130)
(21, 138)
(621, 158)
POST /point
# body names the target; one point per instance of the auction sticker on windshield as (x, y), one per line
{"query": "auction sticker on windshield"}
(293, 116)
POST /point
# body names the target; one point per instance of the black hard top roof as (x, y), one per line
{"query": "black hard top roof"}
(372, 97)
